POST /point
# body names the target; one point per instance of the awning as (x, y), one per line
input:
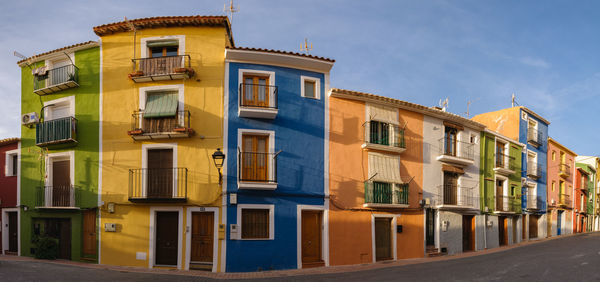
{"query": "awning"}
(161, 105)
(163, 43)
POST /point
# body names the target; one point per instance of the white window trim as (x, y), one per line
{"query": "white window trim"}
(317, 82)
(271, 209)
(188, 236)
(152, 229)
(324, 233)
(59, 57)
(5, 231)
(144, 41)
(70, 100)
(8, 165)
(145, 148)
(144, 91)
(393, 230)
(270, 74)
(50, 158)
(271, 149)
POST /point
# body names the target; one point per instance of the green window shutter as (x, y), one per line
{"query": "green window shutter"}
(161, 105)
(164, 43)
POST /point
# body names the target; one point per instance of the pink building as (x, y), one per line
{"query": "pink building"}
(561, 174)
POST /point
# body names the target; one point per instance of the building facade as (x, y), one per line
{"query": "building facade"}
(561, 173)
(584, 190)
(375, 178)
(59, 150)
(500, 188)
(593, 203)
(9, 191)
(162, 119)
(276, 125)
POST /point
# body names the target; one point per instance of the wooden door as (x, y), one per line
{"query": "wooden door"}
(311, 236)
(255, 158)
(256, 91)
(533, 226)
(450, 188)
(503, 230)
(167, 224)
(61, 183)
(524, 227)
(202, 237)
(515, 223)
(450, 141)
(468, 233)
(559, 222)
(383, 240)
(89, 233)
(160, 173)
(60, 228)
(13, 233)
(499, 195)
(430, 229)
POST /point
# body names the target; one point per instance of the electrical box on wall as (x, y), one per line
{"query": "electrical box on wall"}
(110, 227)
(221, 231)
(398, 228)
(233, 199)
(445, 224)
(490, 223)
(233, 231)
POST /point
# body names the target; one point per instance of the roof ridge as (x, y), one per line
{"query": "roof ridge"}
(57, 50)
(282, 52)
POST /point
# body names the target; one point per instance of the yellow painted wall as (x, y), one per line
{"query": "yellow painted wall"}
(505, 121)
(203, 98)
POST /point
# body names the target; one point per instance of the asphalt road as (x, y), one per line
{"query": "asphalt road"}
(575, 258)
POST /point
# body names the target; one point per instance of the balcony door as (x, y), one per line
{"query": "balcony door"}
(160, 173)
(59, 73)
(255, 91)
(499, 154)
(255, 157)
(499, 195)
(61, 183)
(450, 188)
(450, 135)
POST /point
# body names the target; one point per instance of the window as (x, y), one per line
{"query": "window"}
(500, 154)
(256, 91)
(563, 157)
(11, 163)
(553, 185)
(310, 87)
(379, 132)
(450, 134)
(256, 222)
(59, 108)
(255, 157)
(553, 155)
(450, 188)
(473, 139)
(561, 187)
(162, 48)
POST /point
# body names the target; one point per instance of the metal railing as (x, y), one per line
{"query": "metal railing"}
(532, 201)
(589, 185)
(534, 169)
(535, 136)
(382, 133)
(158, 66)
(158, 184)
(56, 76)
(449, 194)
(180, 122)
(61, 130)
(590, 207)
(257, 167)
(258, 95)
(67, 196)
(505, 161)
(564, 200)
(456, 148)
(564, 169)
(508, 203)
(386, 193)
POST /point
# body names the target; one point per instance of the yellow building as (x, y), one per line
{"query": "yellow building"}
(162, 119)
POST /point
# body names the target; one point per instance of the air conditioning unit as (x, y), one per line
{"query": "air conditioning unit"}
(553, 202)
(30, 118)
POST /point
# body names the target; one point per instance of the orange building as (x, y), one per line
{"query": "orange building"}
(376, 178)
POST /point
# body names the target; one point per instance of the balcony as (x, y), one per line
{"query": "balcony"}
(589, 185)
(564, 170)
(55, 133)
(534, 170)
(590, 208)
(505, 164)
(532, 202)
(383, 137)
(534, 136)
(161, 68)
(454, 197)
(508, 204)
(457, 152)
(564, 200)
(386, 195)
(56, 79)
(257, 101)
(149, 128)
(158, 185)
(257, 170)
(57, 197)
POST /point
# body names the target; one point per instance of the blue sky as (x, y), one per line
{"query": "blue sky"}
(546, 52)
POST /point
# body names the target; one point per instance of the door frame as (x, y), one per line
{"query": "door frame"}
(62, 156)
(393, 230)
(324, 234)
(152, 233)
(188, 235)
(5, 246)
(145, 148)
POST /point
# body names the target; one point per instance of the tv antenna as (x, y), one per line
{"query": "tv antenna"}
(513, 100)
(231, 9)
(22, 57)
(444, 104)
(469, 102)
(306, 47)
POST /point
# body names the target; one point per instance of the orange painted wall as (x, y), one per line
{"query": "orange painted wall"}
(349, 224)
(505, 121)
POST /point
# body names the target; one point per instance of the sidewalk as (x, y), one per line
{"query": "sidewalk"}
(284, 273)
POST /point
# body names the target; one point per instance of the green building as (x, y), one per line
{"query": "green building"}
(585, 192)
(500, 188)
(60, 98)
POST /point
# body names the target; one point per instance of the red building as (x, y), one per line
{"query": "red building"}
(9, 179)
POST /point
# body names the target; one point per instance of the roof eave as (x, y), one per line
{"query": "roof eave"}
(279, 59)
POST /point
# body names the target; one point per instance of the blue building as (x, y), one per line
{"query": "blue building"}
(275, 128)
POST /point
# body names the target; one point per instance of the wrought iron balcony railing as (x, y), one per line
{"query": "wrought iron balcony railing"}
(505, 161)
(564, 170)
(158, 184)
(383, 134)
(508, 203)
(589, 185)
(175, 126)
(385, 193)
(161, 68)
(455, 148)
(56, 79)
(258, 96)
(454, 195)
(564, 200)
(532, 201)
(66, 197)
(535, 136)
(534, 169)
(56, 131)
(257, 167)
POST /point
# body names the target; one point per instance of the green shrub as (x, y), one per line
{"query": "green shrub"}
(47, 248)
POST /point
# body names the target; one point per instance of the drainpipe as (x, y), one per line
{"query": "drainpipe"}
(485, 231)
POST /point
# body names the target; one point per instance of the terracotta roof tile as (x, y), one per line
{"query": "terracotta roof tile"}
(9, 141)
(57, 50)
(282, 52)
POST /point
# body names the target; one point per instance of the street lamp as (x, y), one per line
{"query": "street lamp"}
(219, 158)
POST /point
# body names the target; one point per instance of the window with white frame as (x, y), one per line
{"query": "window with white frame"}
(11, 163)
(310, 87)
(257, 88)
(256, 222)
(257, 157)
(59, 108)
(161, 109)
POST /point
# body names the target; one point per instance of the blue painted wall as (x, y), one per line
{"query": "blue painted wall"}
(299, 135)
(542, 155)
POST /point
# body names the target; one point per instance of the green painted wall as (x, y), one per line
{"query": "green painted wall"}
(85, 152)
